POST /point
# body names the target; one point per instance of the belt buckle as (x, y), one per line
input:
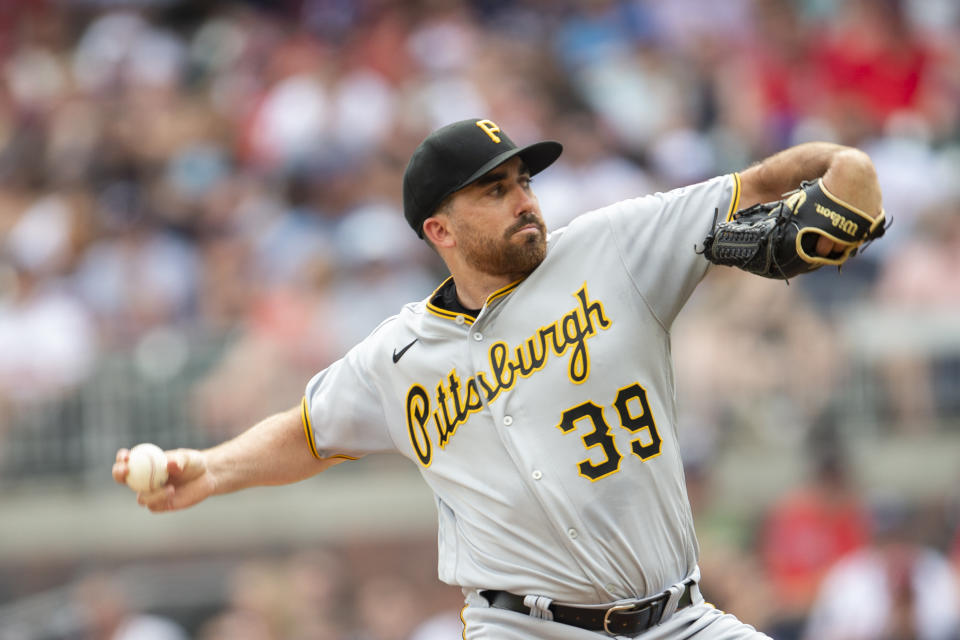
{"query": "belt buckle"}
(614, 608)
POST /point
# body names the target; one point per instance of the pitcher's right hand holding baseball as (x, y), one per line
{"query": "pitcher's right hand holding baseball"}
(194, 476)
(188, 480)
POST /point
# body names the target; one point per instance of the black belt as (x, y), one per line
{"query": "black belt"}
(626, 619)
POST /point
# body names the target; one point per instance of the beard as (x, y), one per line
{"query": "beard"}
(505, 256)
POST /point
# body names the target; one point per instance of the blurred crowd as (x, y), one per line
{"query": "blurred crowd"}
(171, 171)
(831, 558)
(177, 173)
(293, 595)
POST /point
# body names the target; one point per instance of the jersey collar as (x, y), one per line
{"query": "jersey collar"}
(444, 302)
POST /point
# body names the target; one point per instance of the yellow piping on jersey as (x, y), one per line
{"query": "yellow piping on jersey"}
(450, 315)
(499, 293)
(308, 431)
(735, 201)
(468, 319)
(307, 427)
(443, 313)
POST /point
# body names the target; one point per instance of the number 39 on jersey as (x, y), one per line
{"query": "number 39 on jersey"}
(633, 411)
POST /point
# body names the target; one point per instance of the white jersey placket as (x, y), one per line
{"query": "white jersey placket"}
(519, 440)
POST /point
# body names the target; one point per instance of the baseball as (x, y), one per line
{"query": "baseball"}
(147, 467)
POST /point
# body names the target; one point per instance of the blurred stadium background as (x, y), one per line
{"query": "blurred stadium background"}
(200, 207)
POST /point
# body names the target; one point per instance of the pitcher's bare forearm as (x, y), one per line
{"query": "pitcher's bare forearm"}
(847, 172)
(272, 452)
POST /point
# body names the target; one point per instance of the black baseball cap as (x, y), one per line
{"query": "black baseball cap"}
(453, 156)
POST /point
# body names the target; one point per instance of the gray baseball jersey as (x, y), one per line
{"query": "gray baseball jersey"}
(545, 425)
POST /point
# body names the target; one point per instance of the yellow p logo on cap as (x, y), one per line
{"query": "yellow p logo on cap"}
(490, 128)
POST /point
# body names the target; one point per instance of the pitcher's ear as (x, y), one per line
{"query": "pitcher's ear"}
(436, 231)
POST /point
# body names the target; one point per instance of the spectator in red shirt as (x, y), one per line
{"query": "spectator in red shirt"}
(873, 65)
(807, 530)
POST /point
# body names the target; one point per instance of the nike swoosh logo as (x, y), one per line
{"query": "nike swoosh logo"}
(399, 354)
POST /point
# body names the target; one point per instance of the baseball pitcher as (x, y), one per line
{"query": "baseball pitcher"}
(534, 388)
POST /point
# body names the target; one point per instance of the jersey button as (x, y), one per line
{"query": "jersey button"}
(507, 420)
(478, 337)
(537, 474)
(572, 533)
(459, 319)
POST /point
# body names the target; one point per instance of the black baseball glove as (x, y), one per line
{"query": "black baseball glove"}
(779, 239)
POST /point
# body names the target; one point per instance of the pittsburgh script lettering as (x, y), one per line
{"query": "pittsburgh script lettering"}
(456, 400)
